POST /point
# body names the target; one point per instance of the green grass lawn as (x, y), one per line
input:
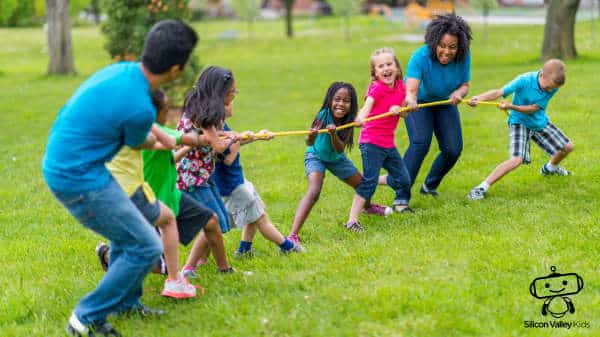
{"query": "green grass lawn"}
(455, 268)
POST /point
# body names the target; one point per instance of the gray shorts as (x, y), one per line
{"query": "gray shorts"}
(244, 205)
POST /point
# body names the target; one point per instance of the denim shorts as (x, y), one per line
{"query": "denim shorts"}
(342, 168)
(151, 212)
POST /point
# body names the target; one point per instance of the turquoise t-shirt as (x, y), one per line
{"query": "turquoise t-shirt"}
(322, 146)
(437, 81)
(527, 91)
(110, 109)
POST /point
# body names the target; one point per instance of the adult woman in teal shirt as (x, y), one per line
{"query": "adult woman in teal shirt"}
(439, 70)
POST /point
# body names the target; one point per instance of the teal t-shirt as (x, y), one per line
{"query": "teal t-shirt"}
(437, 81)
(160, 173)
(526, 91)
(110, 109)
(322, 146)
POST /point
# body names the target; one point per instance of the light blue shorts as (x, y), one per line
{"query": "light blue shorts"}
(342, 168)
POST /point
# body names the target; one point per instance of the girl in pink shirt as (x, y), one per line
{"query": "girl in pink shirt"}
(377, 147)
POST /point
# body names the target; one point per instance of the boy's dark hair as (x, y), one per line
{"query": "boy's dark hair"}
(169, 43)
(346, 135)
(158, 99)
(449, 24)
(205, 103)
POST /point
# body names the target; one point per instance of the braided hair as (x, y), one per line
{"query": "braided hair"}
(204, 105)
(346, 135)
(449, 24)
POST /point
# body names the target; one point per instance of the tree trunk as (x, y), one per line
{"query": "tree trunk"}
(289, 4)
(559, 32)
(60, 50)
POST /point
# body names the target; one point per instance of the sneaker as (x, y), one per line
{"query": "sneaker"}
(77, 329)
(246, 254)
(297, 248)
(354, 226)
(178, 289)
(228, 270)
(375, 209)
(425, 191)
(102, 251)
(404, 209)
(146, 312)
(477, 193)
(559, 171)
(294, 238)
(189, 273)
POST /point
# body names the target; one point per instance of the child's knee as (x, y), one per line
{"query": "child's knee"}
(516, 161)
(314, 194)
(568, 148)
(212, 226)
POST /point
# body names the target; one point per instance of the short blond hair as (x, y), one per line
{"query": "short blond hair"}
(556, 70)
(385, 50)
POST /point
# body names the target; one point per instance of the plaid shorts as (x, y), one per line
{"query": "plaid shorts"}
(550, 139)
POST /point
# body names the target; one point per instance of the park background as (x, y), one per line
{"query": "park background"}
(455, 268)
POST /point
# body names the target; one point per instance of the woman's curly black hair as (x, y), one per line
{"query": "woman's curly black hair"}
(346, 135)
(449, 24)
(204, 105)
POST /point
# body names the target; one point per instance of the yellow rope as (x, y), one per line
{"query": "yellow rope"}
(354, 124)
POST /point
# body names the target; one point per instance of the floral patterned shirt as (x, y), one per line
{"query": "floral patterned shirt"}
(198, 164)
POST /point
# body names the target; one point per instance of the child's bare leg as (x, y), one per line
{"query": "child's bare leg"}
(358, 203)
(503, 169)
(268, 230)
(382, 180)
(560, 155)
(199, 251)
(315, 183)
(249, 231)
(170, 238)
(215, 242)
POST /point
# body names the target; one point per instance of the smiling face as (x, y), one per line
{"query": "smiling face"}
(341, 103)
(546, 82)
(556, 286)
(384, 68)
(446, 49)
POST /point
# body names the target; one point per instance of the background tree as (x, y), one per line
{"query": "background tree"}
(485, 6)
(345, 9)
(559, 32)
(248, 10)
(289, 5)
(60, 50)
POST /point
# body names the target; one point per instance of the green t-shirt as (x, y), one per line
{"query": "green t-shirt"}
(161, 174)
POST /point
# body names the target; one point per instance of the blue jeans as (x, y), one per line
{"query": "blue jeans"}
(444, 122)
(373, 159)
(135, 248)
(208, 195)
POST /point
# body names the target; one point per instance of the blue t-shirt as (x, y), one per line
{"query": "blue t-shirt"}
(228, 177)
(322, 146)
(110, 109)
(527, 91)
(437, 81)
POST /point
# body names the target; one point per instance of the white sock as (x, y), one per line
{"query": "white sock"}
(551, 167)
(484, 185)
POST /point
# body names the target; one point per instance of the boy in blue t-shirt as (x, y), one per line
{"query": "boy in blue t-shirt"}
(111, 109)
(528, 120)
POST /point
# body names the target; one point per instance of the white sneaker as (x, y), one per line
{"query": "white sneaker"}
(178, 289)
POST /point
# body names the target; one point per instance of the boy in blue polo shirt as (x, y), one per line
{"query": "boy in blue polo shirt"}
(528, 120)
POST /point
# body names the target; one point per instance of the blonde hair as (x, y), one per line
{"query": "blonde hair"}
(385, 50)
(556, 70)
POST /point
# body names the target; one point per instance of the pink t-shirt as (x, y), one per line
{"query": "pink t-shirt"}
(380, 132)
